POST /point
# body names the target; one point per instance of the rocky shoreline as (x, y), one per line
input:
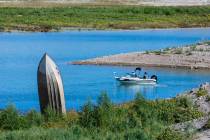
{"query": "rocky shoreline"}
(192, 57)
(200, 97)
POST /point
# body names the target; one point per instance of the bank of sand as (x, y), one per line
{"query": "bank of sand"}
(193, 57)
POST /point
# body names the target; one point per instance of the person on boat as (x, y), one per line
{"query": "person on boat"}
(145, 75)
(134, 74)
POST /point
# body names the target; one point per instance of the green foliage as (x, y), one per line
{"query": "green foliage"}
(137, 134)
(140, 119)
(193, 48)
(158, 52)
(169, 134)
(201, 92)
(147, 52)
(104, 111)
(51, 115)
(102, 17)
(207, 42)
(184, 102)
(34, 118)
(86, 118)
(11, 120)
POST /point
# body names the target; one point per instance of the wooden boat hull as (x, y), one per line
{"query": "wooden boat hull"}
(50, 86)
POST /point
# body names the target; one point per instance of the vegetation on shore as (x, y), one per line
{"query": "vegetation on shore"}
(102, 17)
(139, 119)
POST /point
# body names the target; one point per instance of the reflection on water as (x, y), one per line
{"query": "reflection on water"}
(146, 90)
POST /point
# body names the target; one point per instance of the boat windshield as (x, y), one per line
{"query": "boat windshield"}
(133, 74)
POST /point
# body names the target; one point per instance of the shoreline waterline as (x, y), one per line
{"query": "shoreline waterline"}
(72, 29)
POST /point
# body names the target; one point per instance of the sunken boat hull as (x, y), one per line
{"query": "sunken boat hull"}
(50, 86)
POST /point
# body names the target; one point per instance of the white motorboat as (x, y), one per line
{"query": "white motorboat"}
(135, 78)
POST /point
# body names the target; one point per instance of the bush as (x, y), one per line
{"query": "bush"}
(11, 120)
(103, 113)
(34, 118)
(147, 52)
(184, 102)
(201, 92)
(207, 42)
(158, 52)
(169, 134)
(72, 117)
(86, 118)
(51, 115)
(136, 134)
(193, 48)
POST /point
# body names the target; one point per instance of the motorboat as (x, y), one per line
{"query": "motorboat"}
(135, 78)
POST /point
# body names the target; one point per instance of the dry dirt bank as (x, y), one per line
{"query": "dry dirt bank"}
(193, 57)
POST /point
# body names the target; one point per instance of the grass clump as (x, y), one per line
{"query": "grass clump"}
(201, 92)
(157, 52)
(169, 134)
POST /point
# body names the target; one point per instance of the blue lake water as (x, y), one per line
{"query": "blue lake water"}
(20, 54)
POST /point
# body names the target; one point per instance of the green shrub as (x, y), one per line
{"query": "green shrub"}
(169, 134)
(86, 117)
(51, 115)
(136, 134)
(208, 42)
(103, 111)
(184, 102)
(167, 49)
(11, 120)
(34, 118)
(193, 48)
(201, 92)
(158, 52)
(147, 52)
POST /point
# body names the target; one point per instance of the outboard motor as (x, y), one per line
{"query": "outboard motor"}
(154, 77)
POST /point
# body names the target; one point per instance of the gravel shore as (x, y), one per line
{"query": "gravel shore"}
(193, 57)
(203, 103)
